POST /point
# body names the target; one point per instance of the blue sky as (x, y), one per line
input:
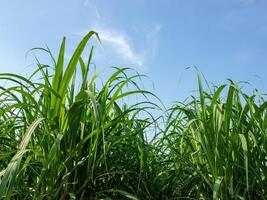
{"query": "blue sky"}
(224, 38)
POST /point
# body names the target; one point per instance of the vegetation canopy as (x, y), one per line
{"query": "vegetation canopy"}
(63, 137)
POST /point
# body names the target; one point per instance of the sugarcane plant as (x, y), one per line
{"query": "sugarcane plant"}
(67, 133)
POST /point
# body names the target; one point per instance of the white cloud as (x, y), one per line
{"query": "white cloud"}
(135, 49)
(120, 45)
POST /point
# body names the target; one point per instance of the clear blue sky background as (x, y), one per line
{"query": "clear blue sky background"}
(224, 38)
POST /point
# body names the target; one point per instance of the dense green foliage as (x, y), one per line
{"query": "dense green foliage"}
(69, 138)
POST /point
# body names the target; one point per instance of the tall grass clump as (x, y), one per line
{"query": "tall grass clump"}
(67, 133)
(62, 140)
(218, 144)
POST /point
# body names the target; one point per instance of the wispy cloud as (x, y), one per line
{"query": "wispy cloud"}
(152, 39)
(118, 45)
(93, 8)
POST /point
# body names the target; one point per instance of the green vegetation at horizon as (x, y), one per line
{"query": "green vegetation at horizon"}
(64, 138)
